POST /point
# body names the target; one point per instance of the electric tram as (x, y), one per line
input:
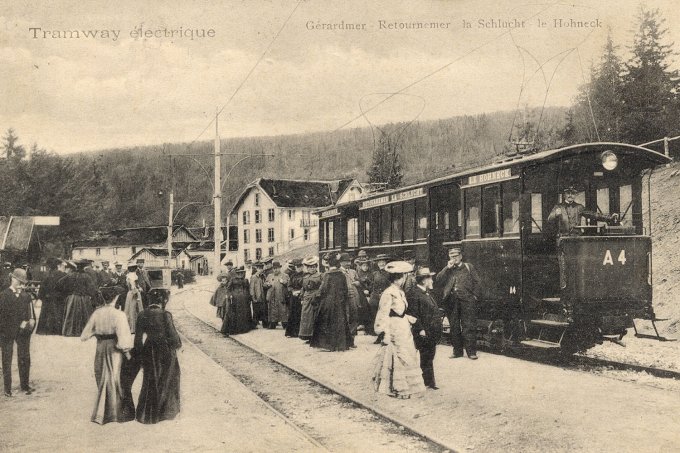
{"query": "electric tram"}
(540, 289)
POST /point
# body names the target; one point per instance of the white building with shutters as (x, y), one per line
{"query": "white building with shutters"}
(275, 216)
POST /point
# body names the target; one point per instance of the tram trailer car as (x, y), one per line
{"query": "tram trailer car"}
(539, 289)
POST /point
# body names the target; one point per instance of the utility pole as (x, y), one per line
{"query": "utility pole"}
(217, 200)
(171, 213)
(171, 209)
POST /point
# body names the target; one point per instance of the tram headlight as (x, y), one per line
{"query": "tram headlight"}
(609, 160)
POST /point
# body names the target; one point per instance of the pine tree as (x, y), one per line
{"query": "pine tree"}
(599, 109)
(650, 87)
(386, 168)
(607, 94)
(12, 150)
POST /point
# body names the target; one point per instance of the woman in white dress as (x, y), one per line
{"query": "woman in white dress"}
(114, 341)
(133, 300)
(396, 367)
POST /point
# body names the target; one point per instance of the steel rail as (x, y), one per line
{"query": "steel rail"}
(360, 403)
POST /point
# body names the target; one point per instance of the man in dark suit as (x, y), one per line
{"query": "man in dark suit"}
(17, 320)
(143, 281)
(380, 281)
(461, 288)
(427, 329)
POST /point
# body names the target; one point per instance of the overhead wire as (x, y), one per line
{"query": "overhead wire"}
(439, 69)
(590, 106)
(250, 72)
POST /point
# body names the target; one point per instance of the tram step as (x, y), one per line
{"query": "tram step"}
(548, 323)
(540, 344)
(552, 300)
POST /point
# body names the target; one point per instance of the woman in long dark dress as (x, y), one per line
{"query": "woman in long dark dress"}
(237, 315)
(331, 327)
(294, 301)
(81, 293)
(159, 399)
(114, 341)
(52, 308)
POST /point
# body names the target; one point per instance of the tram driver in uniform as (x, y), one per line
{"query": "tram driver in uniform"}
(568, 214)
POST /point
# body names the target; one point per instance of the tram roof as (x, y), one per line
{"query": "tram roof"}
(526, 160)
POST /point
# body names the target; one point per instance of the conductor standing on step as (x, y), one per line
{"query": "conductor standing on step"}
(460, 290)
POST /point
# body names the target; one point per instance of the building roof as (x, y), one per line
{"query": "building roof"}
(292, 193)
(15, 233)
(157, 252)
(130, 236)
(207, 233)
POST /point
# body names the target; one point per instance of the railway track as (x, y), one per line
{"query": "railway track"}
(326, 416)
(579, 362)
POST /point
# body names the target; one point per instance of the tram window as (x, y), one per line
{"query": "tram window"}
(385, 223)
(602, 196)
(366, 225)
(511, 207)
(491, 210)
(322, 236)
(396, 222)
(375, 226)
(626, 204)
(409, 220)
(352, 232)
(473, 199)
(330, 234)
(447, 220)
(536, 212)
(421, 218)
(337, 234)
(603, 200)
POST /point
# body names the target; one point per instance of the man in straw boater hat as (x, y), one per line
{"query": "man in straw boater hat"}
(460, 290)
(568, 214)
(427, 329)
(17, 319)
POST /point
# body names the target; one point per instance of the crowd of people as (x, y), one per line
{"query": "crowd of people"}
(112, 306)
(399, 302)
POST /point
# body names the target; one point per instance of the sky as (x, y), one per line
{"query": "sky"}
(283, 69)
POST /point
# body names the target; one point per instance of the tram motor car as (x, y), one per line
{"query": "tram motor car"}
(540, 289)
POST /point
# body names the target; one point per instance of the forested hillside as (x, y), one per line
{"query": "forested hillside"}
(632, 100)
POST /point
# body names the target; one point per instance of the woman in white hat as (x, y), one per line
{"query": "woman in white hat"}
(396, 367)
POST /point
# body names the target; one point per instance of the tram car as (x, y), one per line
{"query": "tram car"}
(540, 288)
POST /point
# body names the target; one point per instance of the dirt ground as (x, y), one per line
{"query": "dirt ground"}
(493, 404)
(218, 413)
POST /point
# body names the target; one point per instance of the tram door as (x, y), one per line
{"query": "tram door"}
(444, 222)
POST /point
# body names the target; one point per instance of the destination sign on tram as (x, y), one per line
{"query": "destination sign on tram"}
(394, 198)
(486, 178)
(330, 213)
